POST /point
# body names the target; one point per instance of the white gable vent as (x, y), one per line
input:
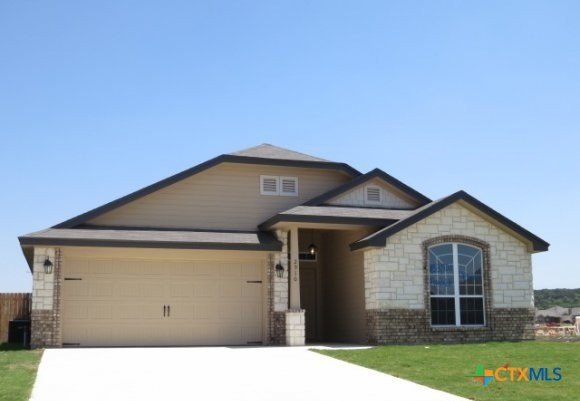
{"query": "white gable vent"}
(282, 186)
(269, 185)
(373, 195)
(289, 186)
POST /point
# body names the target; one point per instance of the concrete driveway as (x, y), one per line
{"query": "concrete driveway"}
(214, 373)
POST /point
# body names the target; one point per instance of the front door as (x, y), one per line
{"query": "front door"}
(308, 301)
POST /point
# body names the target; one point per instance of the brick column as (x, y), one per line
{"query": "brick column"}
(46, 290)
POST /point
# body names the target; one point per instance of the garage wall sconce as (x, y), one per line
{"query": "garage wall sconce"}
(48, 266)
(279, 270)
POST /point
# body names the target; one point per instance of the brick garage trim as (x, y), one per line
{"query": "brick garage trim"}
(46, 327)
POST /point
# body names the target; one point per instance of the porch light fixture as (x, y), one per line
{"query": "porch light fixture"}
(279, 270)
(312, 248)
(47, 266)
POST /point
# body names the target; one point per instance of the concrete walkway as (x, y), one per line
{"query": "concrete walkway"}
(215, 373)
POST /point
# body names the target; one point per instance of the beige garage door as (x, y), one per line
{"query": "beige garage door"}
(158, 303)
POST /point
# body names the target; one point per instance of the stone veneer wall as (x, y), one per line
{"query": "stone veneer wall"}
(396, 289)
(278, 293)
(46, 292)
(295, 327)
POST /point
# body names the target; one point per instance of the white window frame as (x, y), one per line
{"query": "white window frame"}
(369, 202)
(295, 180)
(269, 177)
(456, 296)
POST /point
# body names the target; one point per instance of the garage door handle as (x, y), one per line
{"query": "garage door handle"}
(168, 310)
(164, 310)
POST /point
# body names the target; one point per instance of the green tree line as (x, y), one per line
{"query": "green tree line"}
(564, 297)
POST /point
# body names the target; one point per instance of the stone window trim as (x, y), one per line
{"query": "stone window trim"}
(487, 290)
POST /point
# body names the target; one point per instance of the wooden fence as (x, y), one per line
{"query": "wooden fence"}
(13, 306)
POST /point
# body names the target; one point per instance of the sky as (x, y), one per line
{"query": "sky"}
(101, 98)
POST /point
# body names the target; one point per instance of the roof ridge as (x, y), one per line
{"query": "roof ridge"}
(269, 151)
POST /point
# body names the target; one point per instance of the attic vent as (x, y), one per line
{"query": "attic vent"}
(289, 186)
(373, 194)
(282, 186)
(268, 185)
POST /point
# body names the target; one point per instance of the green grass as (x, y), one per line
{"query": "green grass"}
(17, 372)
(450, 367)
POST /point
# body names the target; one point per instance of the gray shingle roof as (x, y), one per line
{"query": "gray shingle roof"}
(153, 239)
(355, 212)
(267, 151)
(338, 215)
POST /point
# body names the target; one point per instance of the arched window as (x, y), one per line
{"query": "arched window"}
(456, 285)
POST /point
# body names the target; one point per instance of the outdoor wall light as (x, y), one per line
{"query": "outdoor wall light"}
(312, 249)
(47, 266)
(279, 270)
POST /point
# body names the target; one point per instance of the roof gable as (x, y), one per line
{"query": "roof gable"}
(377, 176)
(379, 238)
(292, 159)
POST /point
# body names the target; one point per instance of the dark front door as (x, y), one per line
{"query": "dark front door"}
(308, 301)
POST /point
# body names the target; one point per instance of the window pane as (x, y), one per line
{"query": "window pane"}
(441, 270)
(469, 270)
(471, 310)
(442, 311)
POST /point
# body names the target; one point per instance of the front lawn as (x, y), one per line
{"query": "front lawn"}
(17, 372)
(451, 367)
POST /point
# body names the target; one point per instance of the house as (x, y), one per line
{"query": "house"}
(555, 314)
(271, 246)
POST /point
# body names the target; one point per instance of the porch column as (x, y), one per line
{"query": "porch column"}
(294, 270)
(295, 319)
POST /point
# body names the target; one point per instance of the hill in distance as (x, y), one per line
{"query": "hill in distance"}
(564, 297)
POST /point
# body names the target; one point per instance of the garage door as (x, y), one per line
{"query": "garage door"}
(159, 303)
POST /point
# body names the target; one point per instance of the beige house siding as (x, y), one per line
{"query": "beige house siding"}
(344, 297)
(390, 198)
(226, 196)
(394, 274)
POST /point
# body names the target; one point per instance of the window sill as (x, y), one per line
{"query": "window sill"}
(459, 328)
